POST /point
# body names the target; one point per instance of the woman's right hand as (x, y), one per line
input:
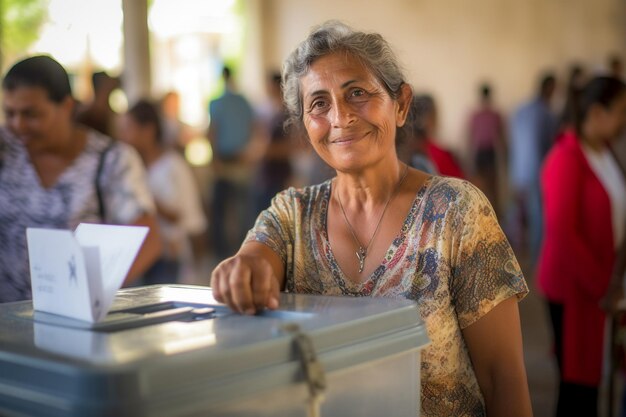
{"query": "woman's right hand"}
(250, 281)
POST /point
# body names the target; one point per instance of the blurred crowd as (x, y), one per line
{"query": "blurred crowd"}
(255, 157)
(555, 177)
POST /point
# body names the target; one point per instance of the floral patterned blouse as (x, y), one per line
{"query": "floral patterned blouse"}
(451, 257)
(24, 202)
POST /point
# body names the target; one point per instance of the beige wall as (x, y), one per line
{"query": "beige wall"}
(448, 46)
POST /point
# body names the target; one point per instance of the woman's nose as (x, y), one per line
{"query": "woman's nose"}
(342, 115)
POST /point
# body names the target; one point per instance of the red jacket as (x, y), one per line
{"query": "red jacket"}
(577, 256)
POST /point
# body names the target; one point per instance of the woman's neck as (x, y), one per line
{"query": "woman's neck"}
(370, 188)
(66, 144)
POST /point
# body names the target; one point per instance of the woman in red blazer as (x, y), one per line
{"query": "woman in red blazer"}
(578, 253)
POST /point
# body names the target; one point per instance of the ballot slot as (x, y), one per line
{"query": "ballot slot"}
(140, 316)
(150, 314)
(157, 313)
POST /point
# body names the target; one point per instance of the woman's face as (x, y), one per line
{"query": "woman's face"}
(34, 118)
(350, 118)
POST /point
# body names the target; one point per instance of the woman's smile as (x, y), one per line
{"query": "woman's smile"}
(346, 140)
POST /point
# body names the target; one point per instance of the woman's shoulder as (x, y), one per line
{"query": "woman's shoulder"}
(454, 196)
(307, 200)
(452, 187)
(99, 142)
(7, 139)
(172, 159)
(103, 145)
(567, 152)
(567, 143)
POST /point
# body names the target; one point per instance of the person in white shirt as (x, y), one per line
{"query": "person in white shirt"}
(179, 207)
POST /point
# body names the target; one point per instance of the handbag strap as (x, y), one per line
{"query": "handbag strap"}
(99, 194)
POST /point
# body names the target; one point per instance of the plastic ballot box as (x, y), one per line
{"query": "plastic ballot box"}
(172, 350)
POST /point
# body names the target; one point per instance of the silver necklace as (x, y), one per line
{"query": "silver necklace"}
(361, 252)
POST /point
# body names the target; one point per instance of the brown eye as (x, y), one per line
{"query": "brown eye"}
(358, 94)
(318, 106)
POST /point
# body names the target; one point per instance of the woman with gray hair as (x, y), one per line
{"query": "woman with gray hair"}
(380, 228)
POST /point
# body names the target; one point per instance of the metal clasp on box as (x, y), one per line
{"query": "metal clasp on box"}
(312, 368)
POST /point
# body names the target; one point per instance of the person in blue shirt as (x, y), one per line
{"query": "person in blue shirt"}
(231, 128)
(532, 131)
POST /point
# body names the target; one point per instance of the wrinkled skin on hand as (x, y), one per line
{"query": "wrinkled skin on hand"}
(246, 282)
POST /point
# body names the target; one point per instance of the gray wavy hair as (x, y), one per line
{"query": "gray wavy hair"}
(334, 36)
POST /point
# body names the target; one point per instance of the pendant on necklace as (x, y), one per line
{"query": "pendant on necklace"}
(360, 255)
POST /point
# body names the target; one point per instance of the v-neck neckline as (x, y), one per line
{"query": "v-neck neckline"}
(365, 287)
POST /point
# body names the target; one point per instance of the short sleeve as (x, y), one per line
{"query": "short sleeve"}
(125, 189)
(485, 271)
(274, 226)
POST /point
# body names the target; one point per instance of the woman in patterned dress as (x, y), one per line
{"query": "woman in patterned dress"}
(380, 228)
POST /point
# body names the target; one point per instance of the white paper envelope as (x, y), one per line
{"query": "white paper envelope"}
(78, 274)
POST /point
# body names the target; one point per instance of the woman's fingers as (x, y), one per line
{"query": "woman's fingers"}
(246, 284)
(272, 302)
(220, 277)
(239, 281)
(215, 285)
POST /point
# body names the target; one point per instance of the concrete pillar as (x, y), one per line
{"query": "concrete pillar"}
(253, 73)
(136, 77)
